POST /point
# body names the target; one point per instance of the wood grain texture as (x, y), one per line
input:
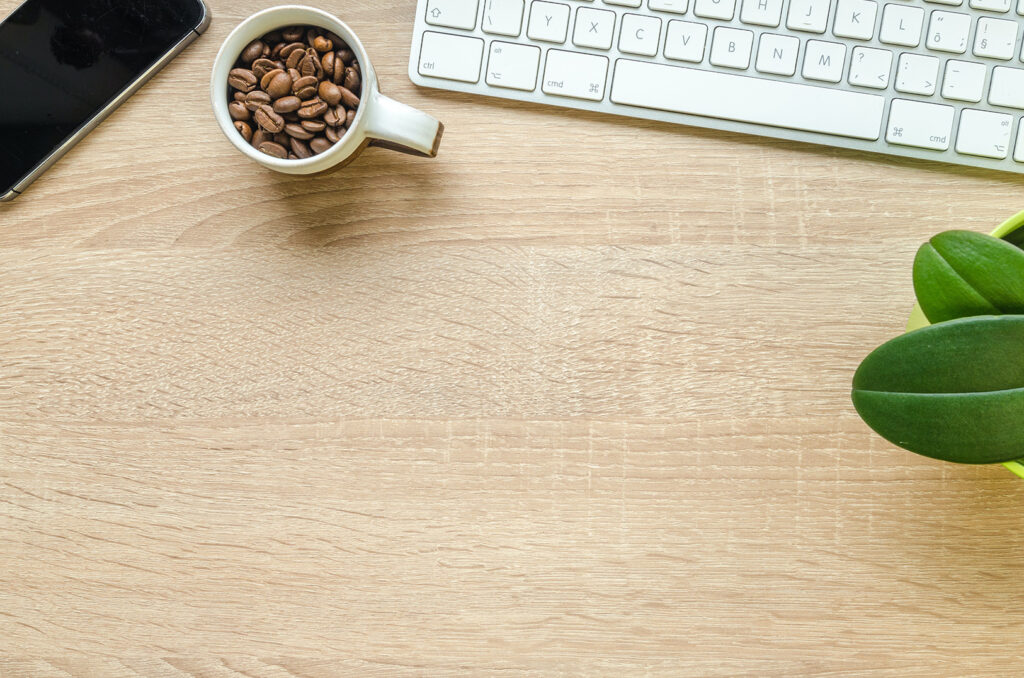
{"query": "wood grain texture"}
(570, 400)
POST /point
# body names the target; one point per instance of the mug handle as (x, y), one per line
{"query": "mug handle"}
(402, 128)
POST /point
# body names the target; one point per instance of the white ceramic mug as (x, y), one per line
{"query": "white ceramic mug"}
(379, 121)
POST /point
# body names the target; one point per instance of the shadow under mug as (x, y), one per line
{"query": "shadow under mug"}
(379, 121)
(1010, 230)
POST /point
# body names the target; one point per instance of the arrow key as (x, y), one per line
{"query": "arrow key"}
(513, 66)
(984, 133)
(917, 74)
(453, 13)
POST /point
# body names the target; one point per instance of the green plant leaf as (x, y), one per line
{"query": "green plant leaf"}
(952, 391)
(958, 274)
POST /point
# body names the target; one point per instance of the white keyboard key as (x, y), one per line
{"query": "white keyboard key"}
(913, 123)
(513, 66)
(451, 57)
(549, 21)
(640, 35)
(452, 13)
(995, 38)
(763, 12)
(964, 81)
(870, 67)
(855, 19)
(948, 32)
(1007, 87)
(776, 54)
(954, 3)
(594, 28)
(715, 9)
(824, 61)
(580, 76)
(685, 41)
(622, 3)
(810, 16)
(901, 25)
(983, 133)
(917, 74)
(991, 5)
(747, 99)
(730, 47)
(503, 17)
(1018, 151)
(673, 6)
(1020, 7)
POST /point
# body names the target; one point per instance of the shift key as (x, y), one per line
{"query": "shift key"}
(451, 57)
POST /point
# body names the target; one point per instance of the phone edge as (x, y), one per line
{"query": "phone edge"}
(120, 99)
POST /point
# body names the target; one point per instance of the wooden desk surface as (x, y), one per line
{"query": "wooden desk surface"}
(570, 400)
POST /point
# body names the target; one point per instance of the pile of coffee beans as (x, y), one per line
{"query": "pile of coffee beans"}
(295, 92)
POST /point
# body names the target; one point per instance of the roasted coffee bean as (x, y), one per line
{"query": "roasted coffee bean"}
(275, 149)
(292, 33)
(272, 38)
(242, 79)
(240, 96)
(327, 63)
(347, 56)
(288, 50)
(253, 51)
(319, 145)
(305, 88)
(280, 85)
(350, 118)
(350, 100)
(321, 44)
(238, 111)
(261, 67)
(300, 149)
(254, 100)
(275, 52)
(292, 62)
(259, 135)
(307, 66)
(331, 118)
(312, 34)
(287, 104)
(312, 109)
(270, 75)
(269, 120)
(314, 125)
(298, 132)
(291, 117)
(330, 93)
(244, 129)
(332, 135)
(352, 80)
(282, 138)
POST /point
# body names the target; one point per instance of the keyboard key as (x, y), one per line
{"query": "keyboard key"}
(730, 47)
(995, 38)
(824, 61)
(640, 35)
(685, 41)
(673, 6)
(983, 133)
(901, 25)
(948, 32)
(451, 57)
(549, 21)
(715, 9)
(747, 99)
(808, 15)
(452, 13)
(513, 66)
(913, 123)
(622, 3)
(763, 12)
(870, 67)
(503, 17)
(964, 81)
(1018, 151)
(917, 74)
(991, 5)
(580, 76)
(776, 54)
(855, 19)
(1007, 87)
(956, 3)
(594, 28)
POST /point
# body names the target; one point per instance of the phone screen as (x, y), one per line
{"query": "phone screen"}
(64, 61)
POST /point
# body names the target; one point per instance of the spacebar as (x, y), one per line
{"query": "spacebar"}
(746, 99)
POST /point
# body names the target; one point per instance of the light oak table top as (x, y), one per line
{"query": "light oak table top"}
(571, 399)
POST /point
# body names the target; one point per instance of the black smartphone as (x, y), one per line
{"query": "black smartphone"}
(65, 65)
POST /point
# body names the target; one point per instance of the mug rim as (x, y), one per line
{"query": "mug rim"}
(353, 138)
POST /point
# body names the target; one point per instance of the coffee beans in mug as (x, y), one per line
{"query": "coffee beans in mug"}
(294, 92)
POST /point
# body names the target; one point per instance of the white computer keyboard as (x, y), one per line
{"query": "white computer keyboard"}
(936, 79)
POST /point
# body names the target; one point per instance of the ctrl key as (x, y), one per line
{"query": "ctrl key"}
(451, 57)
